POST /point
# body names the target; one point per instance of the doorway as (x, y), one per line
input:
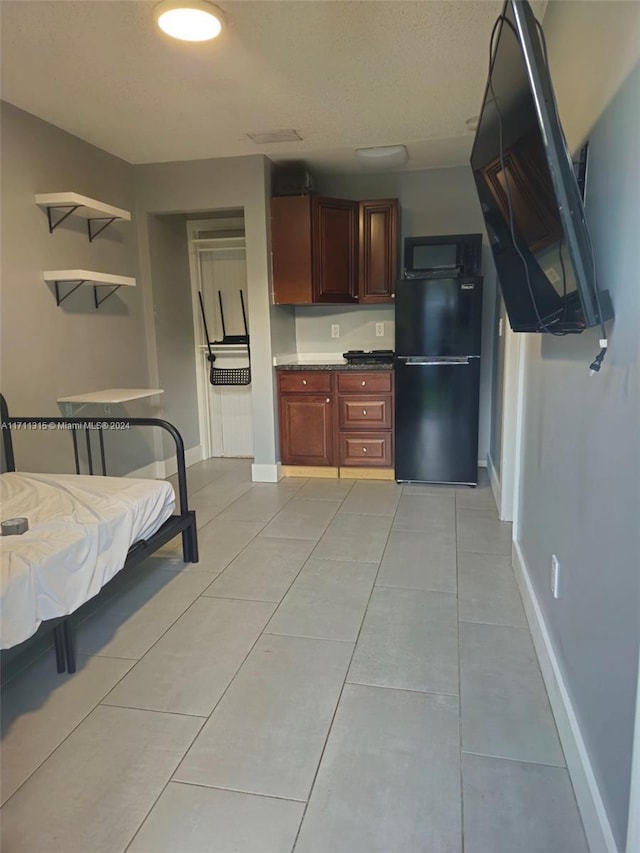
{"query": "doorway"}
(217, 259)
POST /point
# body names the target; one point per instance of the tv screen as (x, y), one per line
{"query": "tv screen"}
(528, 190)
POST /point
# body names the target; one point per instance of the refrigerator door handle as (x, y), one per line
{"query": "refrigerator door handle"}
(433, 362)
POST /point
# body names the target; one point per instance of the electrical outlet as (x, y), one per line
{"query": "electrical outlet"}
(379, 330)
(555, 576)
(552, 275)
(500, 325)
(335, 330)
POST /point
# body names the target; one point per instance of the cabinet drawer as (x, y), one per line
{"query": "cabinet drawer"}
(365, 449)
(367, 382)
(363, 412)
(301, 382)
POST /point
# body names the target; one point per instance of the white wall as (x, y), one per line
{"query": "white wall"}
(223, 184)
(580, 492)
(49, 351)
(357, 327)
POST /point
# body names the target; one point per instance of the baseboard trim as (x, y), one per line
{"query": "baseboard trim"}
(326, 471)
(594, 817)
(261, 473)
(494, 480)
(153, 471)
(163, 468)
(353, 473)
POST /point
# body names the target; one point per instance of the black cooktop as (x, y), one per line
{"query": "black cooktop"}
(376, 356)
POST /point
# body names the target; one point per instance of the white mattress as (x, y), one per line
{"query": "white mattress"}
(80, 529)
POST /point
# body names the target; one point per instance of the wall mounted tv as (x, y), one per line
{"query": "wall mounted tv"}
(528, 190)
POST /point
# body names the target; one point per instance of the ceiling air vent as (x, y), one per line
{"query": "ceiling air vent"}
(267, 136)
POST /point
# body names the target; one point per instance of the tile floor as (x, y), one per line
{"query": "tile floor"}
(348, 669)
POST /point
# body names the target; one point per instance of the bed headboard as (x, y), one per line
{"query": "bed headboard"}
(7, 459)
(85, 425)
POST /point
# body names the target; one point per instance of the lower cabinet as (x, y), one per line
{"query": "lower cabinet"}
(306, 430)
(336, 418)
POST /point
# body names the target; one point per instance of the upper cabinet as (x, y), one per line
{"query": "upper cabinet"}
(332, 251)
(378, 250)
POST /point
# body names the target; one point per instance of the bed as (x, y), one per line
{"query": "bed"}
(83, 530)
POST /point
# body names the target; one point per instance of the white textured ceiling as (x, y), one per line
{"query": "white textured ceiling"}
(343, 74)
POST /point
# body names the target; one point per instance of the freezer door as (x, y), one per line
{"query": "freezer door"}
(436, 420)
(439, 316)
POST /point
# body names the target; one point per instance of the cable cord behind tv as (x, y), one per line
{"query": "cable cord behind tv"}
(596, 364)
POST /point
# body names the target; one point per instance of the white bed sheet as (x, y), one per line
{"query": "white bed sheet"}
(80, 530)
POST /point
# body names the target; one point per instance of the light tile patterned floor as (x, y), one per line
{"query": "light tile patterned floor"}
(347, 670)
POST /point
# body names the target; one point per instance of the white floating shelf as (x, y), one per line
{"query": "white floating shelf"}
(98, 214)
(80, 277)
(87, 208)
(89, 277)
(112, 395)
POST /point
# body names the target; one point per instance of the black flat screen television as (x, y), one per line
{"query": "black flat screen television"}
(530, 198)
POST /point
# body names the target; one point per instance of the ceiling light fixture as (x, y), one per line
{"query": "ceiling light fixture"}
(190, 20)
(383, 156)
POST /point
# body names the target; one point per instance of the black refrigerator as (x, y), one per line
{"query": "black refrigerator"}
(437, 373)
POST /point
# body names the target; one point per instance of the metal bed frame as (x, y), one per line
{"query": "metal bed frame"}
(183, 523)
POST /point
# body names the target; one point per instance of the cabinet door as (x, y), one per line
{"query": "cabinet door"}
(378, 250)
(306, 429)
(335, 263)
(291, 250)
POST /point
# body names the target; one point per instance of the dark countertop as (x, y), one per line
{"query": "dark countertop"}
(382, 366)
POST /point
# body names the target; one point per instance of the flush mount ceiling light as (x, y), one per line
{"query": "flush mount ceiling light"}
(190, 20)
(383, 156)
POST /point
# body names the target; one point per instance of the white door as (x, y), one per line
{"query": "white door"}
(221, 276)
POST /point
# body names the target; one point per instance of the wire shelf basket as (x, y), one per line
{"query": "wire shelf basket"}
(230, 376)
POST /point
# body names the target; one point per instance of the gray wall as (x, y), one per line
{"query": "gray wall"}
(204, 186)
(437, 201)
(173, 317)
(580, 495)
(50, 351)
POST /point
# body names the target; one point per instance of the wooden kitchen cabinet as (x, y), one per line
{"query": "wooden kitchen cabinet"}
(334, 224)
(350, 424)
(365, 419)
(377, 250)
(333, 251)
(307, 435)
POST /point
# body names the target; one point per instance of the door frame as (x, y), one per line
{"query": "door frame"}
(204, 424)
(212, 445)
(515, 353)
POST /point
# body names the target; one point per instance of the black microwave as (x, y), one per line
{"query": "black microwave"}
(446, 255)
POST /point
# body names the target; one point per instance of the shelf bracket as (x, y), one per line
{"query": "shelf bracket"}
(99, 302)
(106, 220)
(53, 225)
(60, 299)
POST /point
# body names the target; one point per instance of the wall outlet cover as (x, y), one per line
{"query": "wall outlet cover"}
(335, 330)
(379, 330)
(555, 576)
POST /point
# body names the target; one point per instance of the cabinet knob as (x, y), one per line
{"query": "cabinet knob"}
(304, 381)
(363, 383)
(328, 399)
(364, 449)
(364, 412)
